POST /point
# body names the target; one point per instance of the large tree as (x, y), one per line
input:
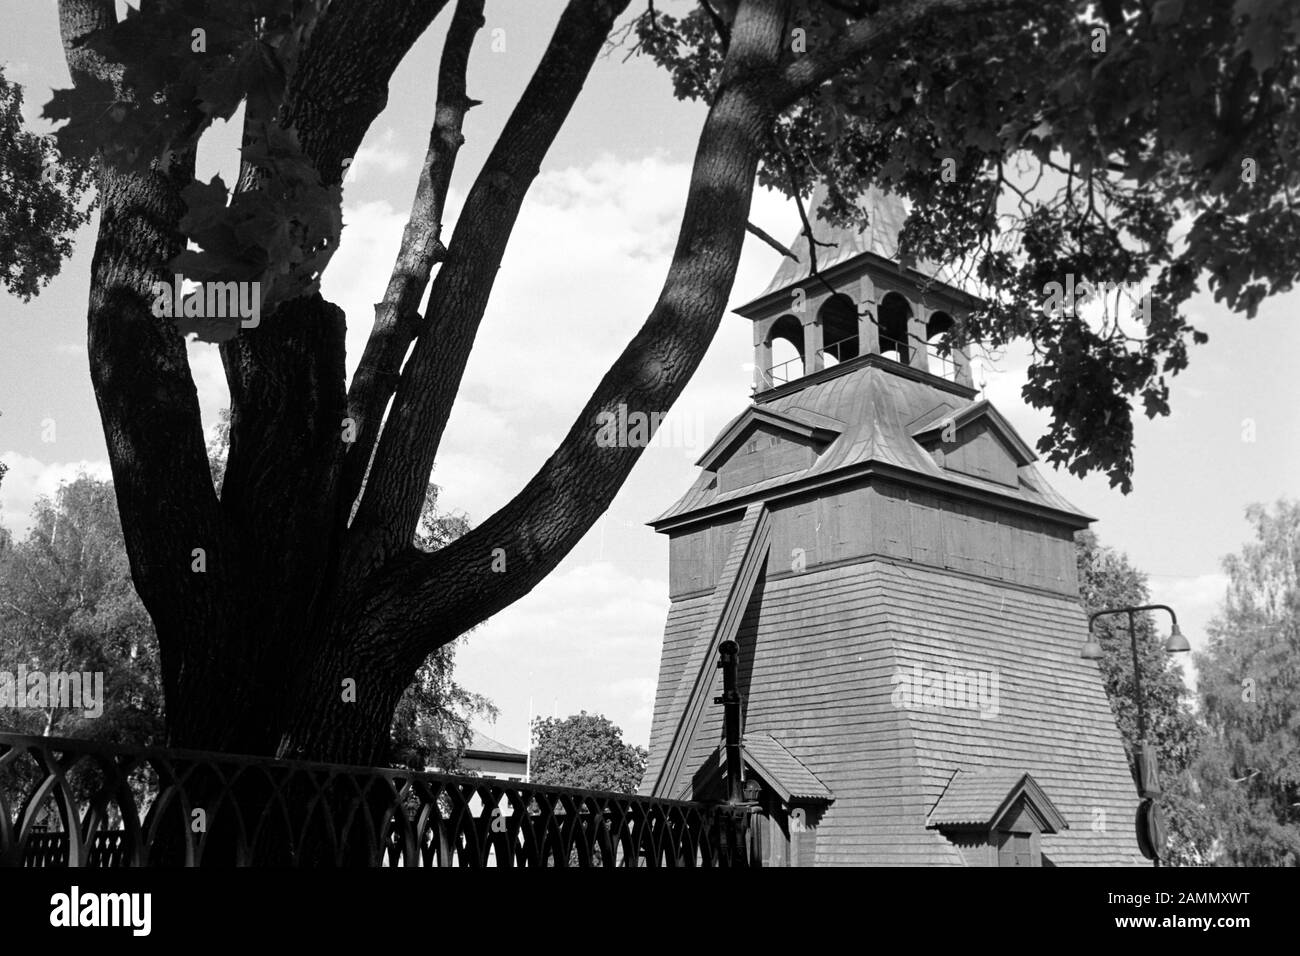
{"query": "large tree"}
(301, 574)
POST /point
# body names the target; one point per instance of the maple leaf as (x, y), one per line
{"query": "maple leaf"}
(204, 329)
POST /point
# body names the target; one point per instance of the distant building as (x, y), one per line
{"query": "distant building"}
(902, 584)
(491, 758)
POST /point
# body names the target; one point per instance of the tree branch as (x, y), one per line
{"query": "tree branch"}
(859, 39)
(341, 82)
(447, 592)
(338, 86)
(397, 317)
(386, 518)
(766, 237)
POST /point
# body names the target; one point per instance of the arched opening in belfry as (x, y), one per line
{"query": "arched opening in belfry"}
(838, 318)
(894, 314)
(938, 349)
(786, 339)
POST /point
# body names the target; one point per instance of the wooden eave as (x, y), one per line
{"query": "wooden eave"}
(870, 469)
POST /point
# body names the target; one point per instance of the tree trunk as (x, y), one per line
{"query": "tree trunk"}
(282, 630)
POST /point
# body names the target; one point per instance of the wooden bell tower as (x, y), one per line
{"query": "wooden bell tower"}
(901, 583)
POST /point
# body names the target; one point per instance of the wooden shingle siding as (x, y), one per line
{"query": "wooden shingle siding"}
(825, 646)
(696, 557)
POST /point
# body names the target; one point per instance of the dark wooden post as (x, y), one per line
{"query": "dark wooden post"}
(729, 651)
(735, 811)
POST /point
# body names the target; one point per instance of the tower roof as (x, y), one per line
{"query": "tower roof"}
(885, 212)
(874, 413)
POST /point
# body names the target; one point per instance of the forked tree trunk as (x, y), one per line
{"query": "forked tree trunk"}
(284, 629)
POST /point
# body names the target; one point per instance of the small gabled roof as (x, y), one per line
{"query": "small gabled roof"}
(484, 745)
(795, 421)
(981, 798)
(783, 772)
(976, 411)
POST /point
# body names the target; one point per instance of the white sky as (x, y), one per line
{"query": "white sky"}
(581, 272)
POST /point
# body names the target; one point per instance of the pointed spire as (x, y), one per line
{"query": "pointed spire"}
(885, 212)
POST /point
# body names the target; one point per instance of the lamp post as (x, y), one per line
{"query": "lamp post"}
(1150, 823)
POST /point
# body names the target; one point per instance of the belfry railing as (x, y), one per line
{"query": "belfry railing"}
(75, 803)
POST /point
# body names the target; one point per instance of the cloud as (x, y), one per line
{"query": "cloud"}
(587, 638)
(358, 273)
(382, 156)
(29, 479)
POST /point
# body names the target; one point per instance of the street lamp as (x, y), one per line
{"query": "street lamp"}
(1150, 823)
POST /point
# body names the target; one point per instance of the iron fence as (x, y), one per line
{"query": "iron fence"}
(76, 803)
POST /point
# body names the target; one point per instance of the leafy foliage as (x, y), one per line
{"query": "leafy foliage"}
(587, 751)
(1078, 139)
(40, 200)
(1250, 687)
(67, 604)
(178, 68)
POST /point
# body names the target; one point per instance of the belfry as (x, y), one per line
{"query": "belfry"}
(901, 582)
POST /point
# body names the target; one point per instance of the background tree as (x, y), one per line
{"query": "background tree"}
(1108, 580)
(309, 573)
(586, 751)
(431, 726)
(41, 194)
(1250, 691)
(67, 604)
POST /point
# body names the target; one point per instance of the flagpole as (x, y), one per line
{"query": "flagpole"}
(528, 761)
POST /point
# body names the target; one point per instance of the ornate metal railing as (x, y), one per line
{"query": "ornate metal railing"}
(67, 802)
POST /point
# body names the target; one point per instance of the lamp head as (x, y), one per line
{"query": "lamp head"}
(1091, 649)
(1177, 643)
